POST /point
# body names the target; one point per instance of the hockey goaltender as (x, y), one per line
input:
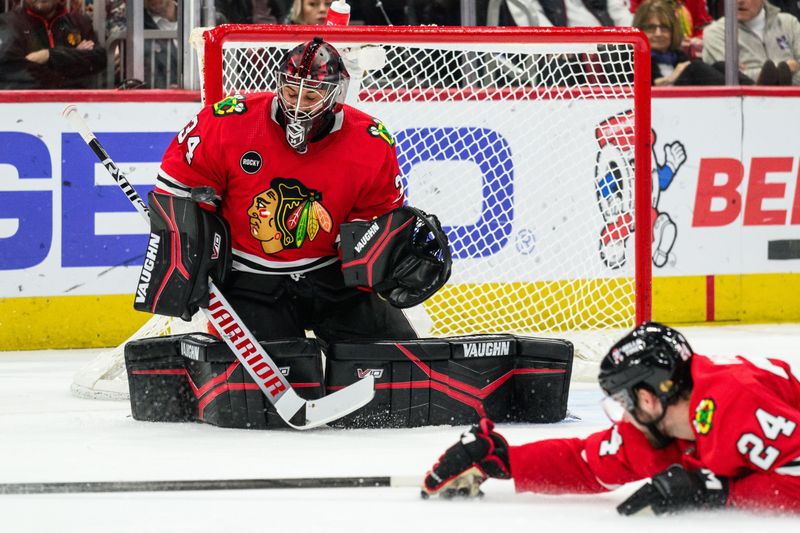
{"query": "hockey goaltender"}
(293, 203)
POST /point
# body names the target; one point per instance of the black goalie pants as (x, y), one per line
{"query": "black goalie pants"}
(281, 306)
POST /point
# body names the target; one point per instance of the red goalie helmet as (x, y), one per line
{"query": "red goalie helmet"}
(312, 83)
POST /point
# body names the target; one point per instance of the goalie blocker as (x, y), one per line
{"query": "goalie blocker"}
(187, 245)
(455, 380)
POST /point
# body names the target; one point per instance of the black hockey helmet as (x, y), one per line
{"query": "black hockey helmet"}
(312, 84)
(652, 356)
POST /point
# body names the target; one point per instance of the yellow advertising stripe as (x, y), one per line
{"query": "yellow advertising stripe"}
(67, 321)
(759, 297)
(95, 321)
(744, 298)
(679, 299)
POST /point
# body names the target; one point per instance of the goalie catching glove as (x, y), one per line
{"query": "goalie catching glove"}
(187, 245)
(403, 256)
(480, 454)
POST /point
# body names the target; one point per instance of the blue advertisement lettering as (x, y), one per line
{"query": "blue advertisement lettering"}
(82, 199)
(32, 211)
(492, 154)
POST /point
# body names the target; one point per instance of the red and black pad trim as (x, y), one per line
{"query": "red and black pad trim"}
(175, 254)
(453, 381)
(195, 377)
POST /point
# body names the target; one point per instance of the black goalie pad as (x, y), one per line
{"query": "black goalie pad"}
(403, 255)
(454, 380)
(187, 245)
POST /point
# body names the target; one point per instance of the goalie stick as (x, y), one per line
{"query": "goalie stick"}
(294, 410)
(210, 484)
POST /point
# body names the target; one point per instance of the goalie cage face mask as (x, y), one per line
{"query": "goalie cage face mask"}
(404, 256)
(312, 83)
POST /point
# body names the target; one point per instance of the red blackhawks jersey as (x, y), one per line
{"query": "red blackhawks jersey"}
(744, 414)
(284, 208)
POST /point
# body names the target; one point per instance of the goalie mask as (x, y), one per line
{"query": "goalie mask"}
(312, 83)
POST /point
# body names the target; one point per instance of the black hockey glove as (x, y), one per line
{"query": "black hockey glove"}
(675, 490)
(403, 256)
(480, 454)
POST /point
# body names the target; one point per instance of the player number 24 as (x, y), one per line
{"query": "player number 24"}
(753, 446)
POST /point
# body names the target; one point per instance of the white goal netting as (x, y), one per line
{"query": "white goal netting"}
(525, 144)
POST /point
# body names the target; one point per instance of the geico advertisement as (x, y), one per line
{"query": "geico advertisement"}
(522, 189)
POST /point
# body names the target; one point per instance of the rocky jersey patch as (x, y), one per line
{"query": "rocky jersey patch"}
(251, 162)
(379, 130)
(704, 416)
(230, 105)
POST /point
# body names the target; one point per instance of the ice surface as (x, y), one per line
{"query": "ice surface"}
(47, 435)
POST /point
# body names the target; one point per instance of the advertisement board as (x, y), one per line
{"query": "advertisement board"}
(725, 197)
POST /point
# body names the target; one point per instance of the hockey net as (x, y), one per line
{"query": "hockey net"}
(531, 145)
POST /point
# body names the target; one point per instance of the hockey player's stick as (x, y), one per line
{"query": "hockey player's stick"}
(294, 410)
(210, 484)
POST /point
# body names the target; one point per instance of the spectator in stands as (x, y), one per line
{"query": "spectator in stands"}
(43, 46)
(717, 7)
(670, 65)
(769, 43)
(572, 13)
(161, 55)
(308, 12)
(161, 14)
(692, 17)
(115, 17)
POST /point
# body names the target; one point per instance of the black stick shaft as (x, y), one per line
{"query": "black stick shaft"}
(210, 484)
(119, 177)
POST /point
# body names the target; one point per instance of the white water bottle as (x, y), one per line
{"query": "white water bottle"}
(338, 14)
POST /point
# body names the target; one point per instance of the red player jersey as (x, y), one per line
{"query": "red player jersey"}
(284, 208)
(744, 415)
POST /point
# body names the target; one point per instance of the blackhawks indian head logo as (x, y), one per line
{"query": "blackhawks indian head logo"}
(378, 129)
(704, 416)
(286, 215)
(230, 105)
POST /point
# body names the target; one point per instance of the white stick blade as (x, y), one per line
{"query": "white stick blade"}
(340, 403)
